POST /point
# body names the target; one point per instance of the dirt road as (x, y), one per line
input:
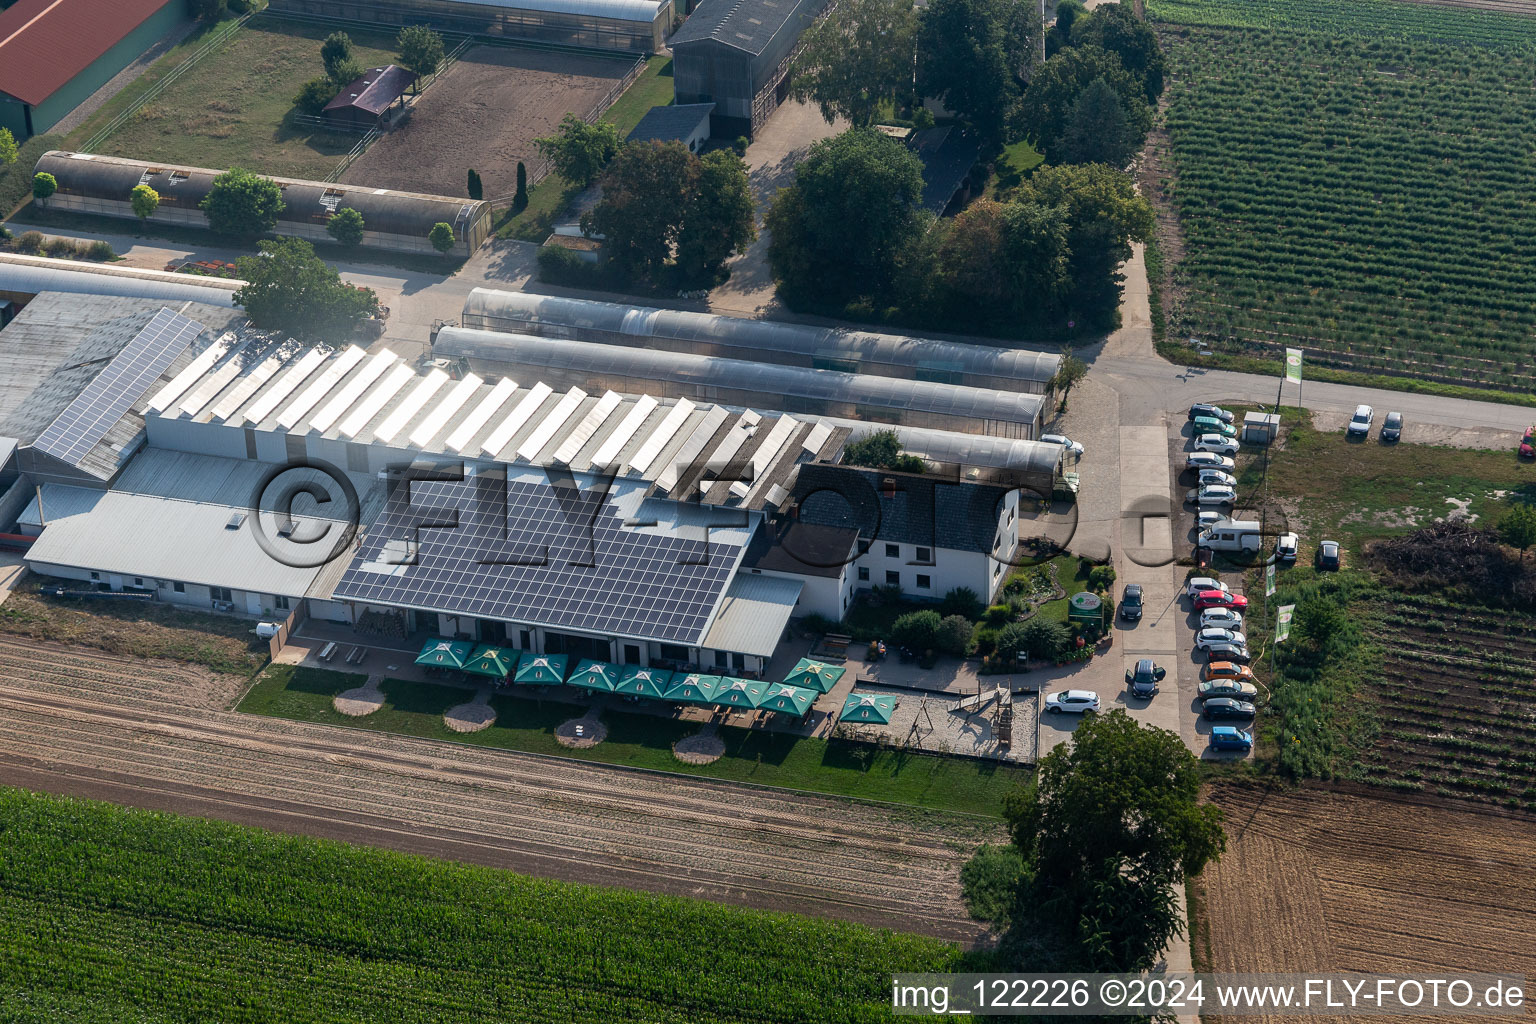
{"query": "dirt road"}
(156, 735)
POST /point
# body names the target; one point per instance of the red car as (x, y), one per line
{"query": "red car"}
(1218, 599)
(1528, 443)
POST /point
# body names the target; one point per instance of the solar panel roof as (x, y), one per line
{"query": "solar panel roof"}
(529, 550)
(123, 381)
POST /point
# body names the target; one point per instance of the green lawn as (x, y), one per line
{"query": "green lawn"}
(231, 109)
(645, 741)
(116, 915)
(1017, 161)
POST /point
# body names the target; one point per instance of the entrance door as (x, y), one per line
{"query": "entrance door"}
(631, 654)
(493, 632)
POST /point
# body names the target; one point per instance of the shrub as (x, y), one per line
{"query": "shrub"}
(100, 250)
(999, 615)
(559, 265)
(917, 631)
(346, 226)
(61, 248)
(5, 233)
(44, 185)
(1101, 577)
(30, 243)
(242, 203)
(1010, 642)
(145, 201)
(474, 186)
(817, 624)
(314, 95)
(962, 601)
(1039, 638)
(441, 237)
(520, 197)
(954, 635)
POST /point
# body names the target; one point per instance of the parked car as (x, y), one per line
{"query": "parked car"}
(1237, 689)
(1213, 495)
(1130, 602)
(1075, 702)
(1207, 460)
(1205, 520)
(1215, 411)
(1204, 638)
(1392, 428)
(1217, 443)
(1143, 679)
(1328, 555)
(1219, 599)
(1230, 737)
(1221, 618)
(1360, 425)
(1226, 670)
(1216, 478)
(1528, 443)
(1228, 708)
(1197, 585)
(1228, 652)
(1212, 425)
(1073, 448)
(1286, 547)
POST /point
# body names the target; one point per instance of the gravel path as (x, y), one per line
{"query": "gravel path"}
(158, 735)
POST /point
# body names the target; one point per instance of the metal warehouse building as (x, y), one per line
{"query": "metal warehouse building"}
(54, 54)
(400, 221)
(768, 341)
(563, 363)
(735, 54)
(633, 26)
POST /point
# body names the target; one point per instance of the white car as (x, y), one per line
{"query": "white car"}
(1199, 584)
(1215, 495)
(1219, 635)
(1207, 460)
(1205, 520)
(1073, 448)
(1220, 618)
(1286, 547)
(1216, 443)
(1360, 426)
(1216, 478)
(1074, 702)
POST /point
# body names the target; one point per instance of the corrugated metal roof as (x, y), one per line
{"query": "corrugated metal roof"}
(32, 275)
(45, 43)
(374, 91)
(670, 124)
(747, 25)
(618, 10)
(753, 615)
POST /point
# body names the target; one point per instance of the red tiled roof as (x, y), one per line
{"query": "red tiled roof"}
(375, 91)
(45, 43)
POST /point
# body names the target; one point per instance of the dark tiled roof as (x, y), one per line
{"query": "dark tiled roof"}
(45, 43)
(748, 25)
(925, 510)
(375, 91)
(948, 153)
(806, 549)
(670, 124)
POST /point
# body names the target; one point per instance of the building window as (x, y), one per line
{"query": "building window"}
(864, 573)
(95, 575)
(221, 594)
(923, 583)
(138, 581)
(179, 587)
(280, 602)
(997, 569)
(674, 652)
(893, 551)
(722, 660)
(924, 556)
(893, 577)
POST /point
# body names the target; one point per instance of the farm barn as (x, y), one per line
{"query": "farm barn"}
(362, 104)
(54, 55)
(631, 26)
(735, 54)
(399, 221)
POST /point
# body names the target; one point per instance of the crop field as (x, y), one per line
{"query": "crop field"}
(111, 914)
(1354, 180)
(1317, 880)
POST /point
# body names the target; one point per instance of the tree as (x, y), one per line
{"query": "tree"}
(43, 186)
(344, 71)
(1320, 622)
(1097, 130)
(580, 151)
(441, 237)
(1517, 527)
(288, 288)
(844, 226)
(1069, 373)
(1000, 262)
(963, 60)
(954, 636)
(208, 11)
(475, 186)
(314, 94)
(645, 192)
(242, 203)
(336, 48)
(917, 631)
(1108, 833)
(857, 58)
(8, 148)
(520, 197)
(421, 49)
(1051, 97)
(145, 201)
(346, 226)
(1115, 27)
(1039, 638)
(882, 450)
(1060, 35)
(719, 218)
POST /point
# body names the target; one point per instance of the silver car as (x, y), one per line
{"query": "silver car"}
(1214, 494)
(1216, 443)
(1076, 702)
(1360, 425)
(1216, 635)
(1207, 460)
(1216, 478)
(1221, 618)
(1199, 584)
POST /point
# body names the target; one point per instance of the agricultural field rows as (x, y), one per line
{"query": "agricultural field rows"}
(1357, 185)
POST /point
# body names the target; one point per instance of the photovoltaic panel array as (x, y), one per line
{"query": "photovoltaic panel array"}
(528, 551)
(123, 381)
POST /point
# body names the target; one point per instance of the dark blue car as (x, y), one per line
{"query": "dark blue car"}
(1230, 737)
(1143, 679)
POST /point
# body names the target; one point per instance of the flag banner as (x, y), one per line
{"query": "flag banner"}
(1283, 621)
(1293, 365)
(1269, 580)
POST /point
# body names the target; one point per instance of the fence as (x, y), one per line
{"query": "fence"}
(217, 39)
(285, 629)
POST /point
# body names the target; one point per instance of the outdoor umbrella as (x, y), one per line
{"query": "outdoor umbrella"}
(868, 707)
(444, 653)
(816, 675)
(643, 682)
(794, 700)
(693, 688)
(540, 670)
(496, 662)
(739, 694)
(595, 675)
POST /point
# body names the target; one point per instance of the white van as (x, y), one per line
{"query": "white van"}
(1233, 535)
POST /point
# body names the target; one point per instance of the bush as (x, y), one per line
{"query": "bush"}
(5, 233)
(999, 615)
(817, 624)
(1039, 638)
(559, 265)
(346, 226)
(1101, 577)
(16, 178)
(991, 881)
(61, 248)
(441, 237)
(242, 203)
(962, 601)
(44, 185)
(99, 250)
(30, 243)
(314, 95)
(954, 635)
(917, 631)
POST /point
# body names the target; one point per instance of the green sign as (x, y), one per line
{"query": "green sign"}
(1269, 580)
(1293, 365)
(1084, 606)
(1283, 621)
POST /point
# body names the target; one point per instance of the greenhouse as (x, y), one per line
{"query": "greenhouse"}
(705, 334)
(563, 363)
(399, 221)
(634, 26)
